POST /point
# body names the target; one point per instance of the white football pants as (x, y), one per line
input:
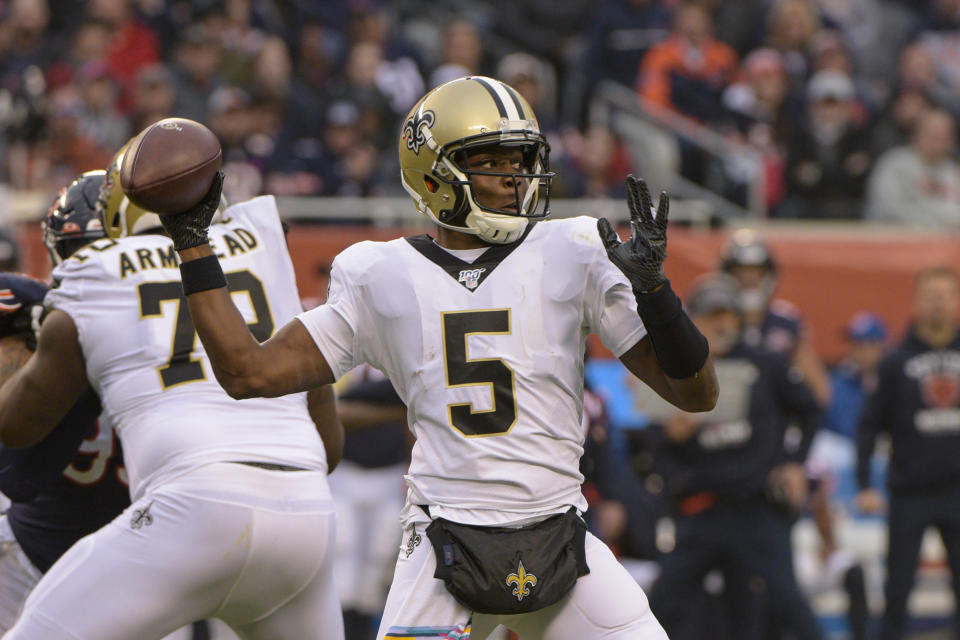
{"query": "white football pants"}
(250, 546)
(18, 577)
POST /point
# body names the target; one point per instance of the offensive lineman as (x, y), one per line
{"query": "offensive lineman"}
(73, 482)
(482, 333)
(231, 516)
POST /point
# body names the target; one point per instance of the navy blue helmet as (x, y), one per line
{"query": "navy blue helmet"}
(73, 220)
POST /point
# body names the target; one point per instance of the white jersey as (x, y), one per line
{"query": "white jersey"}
(152, 374)
(487, 356)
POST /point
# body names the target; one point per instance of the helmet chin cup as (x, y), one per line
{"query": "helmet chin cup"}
(496, 228)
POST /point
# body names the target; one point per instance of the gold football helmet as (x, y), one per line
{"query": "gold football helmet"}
(461, 115)
(122, 218)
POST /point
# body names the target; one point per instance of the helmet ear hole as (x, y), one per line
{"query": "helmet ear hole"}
(432, 185)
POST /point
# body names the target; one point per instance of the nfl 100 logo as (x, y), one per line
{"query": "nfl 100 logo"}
(470, 278)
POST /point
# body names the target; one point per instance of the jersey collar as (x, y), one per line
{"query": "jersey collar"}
(469, 274)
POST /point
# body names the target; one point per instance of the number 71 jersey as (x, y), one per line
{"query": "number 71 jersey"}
(145, 361)
(487, 355)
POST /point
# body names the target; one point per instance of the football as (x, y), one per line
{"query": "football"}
(170, 165)
(13, 354)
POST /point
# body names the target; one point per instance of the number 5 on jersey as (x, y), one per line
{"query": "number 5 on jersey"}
(181, 368)
(463, 371)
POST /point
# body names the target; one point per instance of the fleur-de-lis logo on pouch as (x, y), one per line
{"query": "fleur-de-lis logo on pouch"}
(523, 580)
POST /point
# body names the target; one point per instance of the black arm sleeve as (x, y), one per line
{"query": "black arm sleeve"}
(24, 473)
(679, 346)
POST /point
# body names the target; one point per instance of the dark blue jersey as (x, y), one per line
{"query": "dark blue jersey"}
(67, 486)
(917, 402)
(381, 445)
(780, 331)
(743, 438)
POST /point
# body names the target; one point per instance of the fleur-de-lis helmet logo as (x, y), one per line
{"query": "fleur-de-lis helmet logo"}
(412, 129)
(523, 580)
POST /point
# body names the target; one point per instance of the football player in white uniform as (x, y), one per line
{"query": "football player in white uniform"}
(231, 517)
(72, 482)
(482, 333)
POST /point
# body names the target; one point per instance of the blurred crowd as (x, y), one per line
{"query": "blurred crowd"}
(852, 104)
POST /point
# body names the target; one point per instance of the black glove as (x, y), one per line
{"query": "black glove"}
(189, 228)
(641, 257)
(21, 306)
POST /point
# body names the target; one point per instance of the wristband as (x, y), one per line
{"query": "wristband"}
(679, 346)
(201, 274)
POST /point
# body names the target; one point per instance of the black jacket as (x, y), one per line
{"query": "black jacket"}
(743, 438)
(916, 402)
